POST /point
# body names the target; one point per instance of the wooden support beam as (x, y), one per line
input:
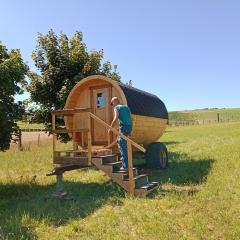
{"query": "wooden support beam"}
(83, 161)
(108, 139)
(130, 168)
(89, 137)
(89, 149)
(54, 135)
(82, 139)
(74, 133)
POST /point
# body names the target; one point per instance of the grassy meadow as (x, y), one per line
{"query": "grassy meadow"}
(211, 115)
(27, 125)
(198, 196)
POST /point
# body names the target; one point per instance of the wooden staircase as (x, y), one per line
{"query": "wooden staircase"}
(131, 181)
(111, 166)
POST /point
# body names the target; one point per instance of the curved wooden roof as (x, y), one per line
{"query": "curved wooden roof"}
(140, 102)
(144, 103)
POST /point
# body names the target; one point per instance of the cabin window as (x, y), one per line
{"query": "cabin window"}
(100, 100)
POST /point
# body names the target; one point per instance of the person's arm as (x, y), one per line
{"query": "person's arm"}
(115, 118)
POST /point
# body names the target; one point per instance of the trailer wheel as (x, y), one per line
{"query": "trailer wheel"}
(157, 155)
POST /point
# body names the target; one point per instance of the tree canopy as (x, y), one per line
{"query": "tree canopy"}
(62, 62)
(12, 81)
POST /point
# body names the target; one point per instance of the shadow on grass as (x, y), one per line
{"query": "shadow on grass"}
(21, 205)
(24, 205)
(182, 171)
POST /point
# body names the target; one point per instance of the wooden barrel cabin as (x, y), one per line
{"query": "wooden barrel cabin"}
(149, 113)
(88, 114)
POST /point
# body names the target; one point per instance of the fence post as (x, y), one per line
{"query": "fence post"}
(20, 140)
(39, 139)
(218, 117)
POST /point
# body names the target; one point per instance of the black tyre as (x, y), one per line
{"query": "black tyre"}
(157, 155)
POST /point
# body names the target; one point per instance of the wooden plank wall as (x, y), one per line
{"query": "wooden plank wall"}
(147, 129)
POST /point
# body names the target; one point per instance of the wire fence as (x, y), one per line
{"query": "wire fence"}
(34, 135)
(33, 130)
(174, 123)
(203, 117)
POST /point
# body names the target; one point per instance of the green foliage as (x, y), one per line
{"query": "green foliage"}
(62, 62)
(12, 72)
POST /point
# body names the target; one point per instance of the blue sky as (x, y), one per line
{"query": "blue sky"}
(187, 52)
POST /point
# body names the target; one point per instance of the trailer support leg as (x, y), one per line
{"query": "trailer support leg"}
(59, 183)
(59, 191)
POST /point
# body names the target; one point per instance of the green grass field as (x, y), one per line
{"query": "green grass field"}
(27, 125)
(198, 198)
(228, 114)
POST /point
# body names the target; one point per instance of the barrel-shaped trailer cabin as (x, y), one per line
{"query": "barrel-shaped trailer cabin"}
(149, 113)
(88, 114)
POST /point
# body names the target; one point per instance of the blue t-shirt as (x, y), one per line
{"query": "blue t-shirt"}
(124, 113)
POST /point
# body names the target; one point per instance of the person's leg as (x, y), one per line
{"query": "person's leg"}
(124, 153)
(120, 148)
(126, 130)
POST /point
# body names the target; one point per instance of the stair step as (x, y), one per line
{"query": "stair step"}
(109, 159)
(110, 165)
(140, 180)
(145, 189)
(115, 166)
(148, 186)
(106, 156)
(125, 175)
(114, 163)
(106, 159)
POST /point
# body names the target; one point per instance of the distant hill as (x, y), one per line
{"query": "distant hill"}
(200, 115)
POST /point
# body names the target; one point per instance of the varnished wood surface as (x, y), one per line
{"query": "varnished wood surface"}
(66, 112)
(120, 134)
(130, 168)
(145, 129)
(70, 130)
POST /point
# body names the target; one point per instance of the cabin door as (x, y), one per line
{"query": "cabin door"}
(101, 108)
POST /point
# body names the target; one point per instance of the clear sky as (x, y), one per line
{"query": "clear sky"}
(185, 51)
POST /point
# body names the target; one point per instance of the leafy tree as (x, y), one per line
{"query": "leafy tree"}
(12, 72)
(62, 62)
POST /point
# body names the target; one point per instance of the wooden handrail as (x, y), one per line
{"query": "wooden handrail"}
(70, 130)
(77, 110)
(129, 149)
(65, 112)
(117, 132)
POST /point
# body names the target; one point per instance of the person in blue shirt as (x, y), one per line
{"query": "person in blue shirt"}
(123, 115)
